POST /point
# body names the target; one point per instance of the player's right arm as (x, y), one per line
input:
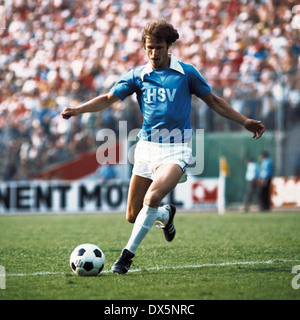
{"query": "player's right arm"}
(97, 104)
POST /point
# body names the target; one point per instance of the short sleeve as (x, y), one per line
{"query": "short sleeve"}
(124, 87)
(197, 84)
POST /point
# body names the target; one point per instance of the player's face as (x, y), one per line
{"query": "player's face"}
(157, 52)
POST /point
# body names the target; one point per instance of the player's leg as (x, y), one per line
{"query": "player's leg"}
(164, 181)
(166, 178)
(137, 189)
(135, 214)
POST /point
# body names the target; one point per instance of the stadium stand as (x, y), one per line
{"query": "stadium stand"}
(58, 53)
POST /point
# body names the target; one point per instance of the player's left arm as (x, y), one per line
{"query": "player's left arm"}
(94, 105)
(225, 110)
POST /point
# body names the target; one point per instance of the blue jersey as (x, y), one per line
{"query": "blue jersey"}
(164, 97)
(266, 169)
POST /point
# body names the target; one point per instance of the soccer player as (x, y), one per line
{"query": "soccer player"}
(163, 87)
(266, 172)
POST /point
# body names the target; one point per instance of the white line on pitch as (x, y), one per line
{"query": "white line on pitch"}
(215, 265)
(237, 263)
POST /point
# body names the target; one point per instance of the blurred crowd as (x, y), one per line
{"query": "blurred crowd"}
(59, 53)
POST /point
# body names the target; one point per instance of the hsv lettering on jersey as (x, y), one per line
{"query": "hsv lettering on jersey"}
(159, 94)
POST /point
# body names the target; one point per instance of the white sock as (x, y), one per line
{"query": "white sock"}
(142, 225)
(163, 215)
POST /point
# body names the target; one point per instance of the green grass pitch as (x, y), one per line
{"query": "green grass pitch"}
(235, 256)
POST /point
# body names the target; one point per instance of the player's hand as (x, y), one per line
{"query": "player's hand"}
(256, 127)
(69, 112)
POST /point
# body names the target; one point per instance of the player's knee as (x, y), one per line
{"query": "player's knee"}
(130, 216)
(152, 199)
(130, 219)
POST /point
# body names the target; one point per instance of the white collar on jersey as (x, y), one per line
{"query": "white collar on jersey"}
(174, 65)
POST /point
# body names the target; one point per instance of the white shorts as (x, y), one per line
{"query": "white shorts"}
(150, 155)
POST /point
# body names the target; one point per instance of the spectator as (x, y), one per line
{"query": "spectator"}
(266, 172)
(105, 173)
(56, 53)
(251, 177)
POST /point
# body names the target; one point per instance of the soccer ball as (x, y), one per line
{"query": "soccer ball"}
(87, 260)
